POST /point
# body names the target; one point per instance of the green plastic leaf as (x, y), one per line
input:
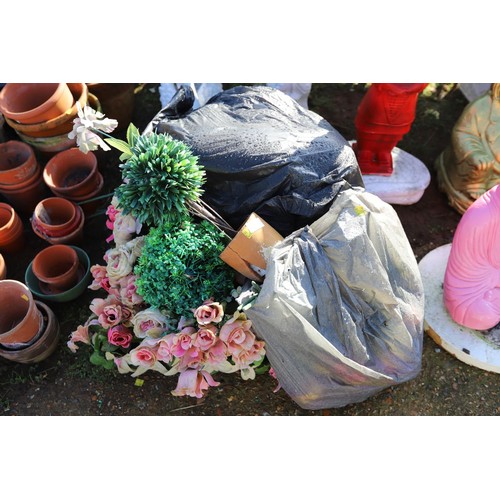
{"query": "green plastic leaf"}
(132, 135)
(120, 145)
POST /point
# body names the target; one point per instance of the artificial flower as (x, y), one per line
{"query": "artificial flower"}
(128, 291)
(149, 322)
(119, 263)
(205, 337)
(83, 129)
(193, 383)
(120, 335)
(183, 341)
(81, 334)
(108, 311)
(124, 228)
(237, 335)
(209, 312)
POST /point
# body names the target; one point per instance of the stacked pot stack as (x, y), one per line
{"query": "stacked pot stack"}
(29, 330)
(74, 175)
(11, 230)
(42, 113)
(21, 180)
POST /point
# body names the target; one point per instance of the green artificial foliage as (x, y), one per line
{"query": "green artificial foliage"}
(179, 266)
(160, 175)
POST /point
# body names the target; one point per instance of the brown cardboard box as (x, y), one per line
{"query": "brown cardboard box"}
(246, 247)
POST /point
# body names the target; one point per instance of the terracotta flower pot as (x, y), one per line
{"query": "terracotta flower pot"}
(87, 203)
(35, 102)
(56, 217)
(72, 173)
(3, 268)
(17, 162)
(117, 101)
(57, 267)
(73, 237)
(11, 230)
(20, 319)
(59, 125)
(25, 195)
(41, 346)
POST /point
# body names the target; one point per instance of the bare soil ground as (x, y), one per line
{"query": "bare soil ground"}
(67, 384)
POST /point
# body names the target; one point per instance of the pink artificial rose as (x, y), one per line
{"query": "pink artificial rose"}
(192, 358)
(128, 291)
(193, 383)
(127, 315)
(108, 311)
(143, 356)
(81, 334)
(101, 279)
(111, 212)
(183, 341)
(124, 228)
(206, 337)
(209, 312)
(216, 354)
(120, 335)
(244, 359)
(164, 352)
(237, 335)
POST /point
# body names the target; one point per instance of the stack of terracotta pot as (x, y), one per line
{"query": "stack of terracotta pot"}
(42, 113)
(29, 330)
(58, 221)
(11, 230)
(74, 175)
(21, 181)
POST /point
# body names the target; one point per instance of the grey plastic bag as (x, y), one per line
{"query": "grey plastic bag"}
(342, 305)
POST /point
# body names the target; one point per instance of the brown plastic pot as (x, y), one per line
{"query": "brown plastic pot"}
(25, 195)
(72, 173)
(40, 347)
(11, 230)
(59, 125)
(20, 319)
(3, 268)
(56, 217)
(17, 162)
(57, 267)
(35, 102)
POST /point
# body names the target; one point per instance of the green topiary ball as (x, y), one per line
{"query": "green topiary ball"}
(179, 266)
(158, 179)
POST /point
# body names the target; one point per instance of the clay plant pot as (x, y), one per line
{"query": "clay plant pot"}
(11, 230)
(87, 202)
(84, 279)
(25, 195)
(20, 319)
(3, 268)
(73, 237)
(72, 173)
(41, 346)
(56, 267)
(17, 162)
(35, 102)
(59, 125)
(56, 217)
(117, 101)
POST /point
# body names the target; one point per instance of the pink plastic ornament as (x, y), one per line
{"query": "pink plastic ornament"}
(472, 276)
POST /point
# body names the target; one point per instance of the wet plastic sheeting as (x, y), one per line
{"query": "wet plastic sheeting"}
(342, 305)
(264, 153)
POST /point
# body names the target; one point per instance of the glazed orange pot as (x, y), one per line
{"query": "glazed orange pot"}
(20, 320)
(17, 162)
(59, 125)
(57, 267)
(56, 217)
(35, 102)
(72, 173)
(11, 230)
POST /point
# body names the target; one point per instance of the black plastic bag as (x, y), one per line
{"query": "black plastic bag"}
(263, 153)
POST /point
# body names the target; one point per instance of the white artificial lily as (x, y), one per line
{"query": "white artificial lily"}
(89, 120)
